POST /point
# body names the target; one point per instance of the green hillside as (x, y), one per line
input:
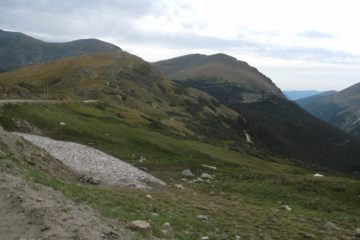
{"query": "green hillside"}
(245, 197)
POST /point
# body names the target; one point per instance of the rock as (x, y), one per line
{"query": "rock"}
(329, 225)
(237, 237)
(139, 224)
(248, 138)
(286, 207)
(356, 235)
(204, 238)
(148, 196)
(90, 180)
(210, 167)
(179, 186)
(206, 176)
(309, 236)
(154, 214)
(318, 175)
(199, 180)
(187, 173)
(202, 218)
(62, 123)
(141, 159)
(167, 230)
(26, 127)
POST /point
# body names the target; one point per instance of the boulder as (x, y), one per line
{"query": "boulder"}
(139, 224)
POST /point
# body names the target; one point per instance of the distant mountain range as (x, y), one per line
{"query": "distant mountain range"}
(341, 109)
(297, 94)
(19, 50)
(216, 99)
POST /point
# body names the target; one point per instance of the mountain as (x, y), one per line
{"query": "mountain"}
(134, 87)
(297, 94)
(220, 69)
(138, 115)
(18, 50)
(273, 122)
(341, 109)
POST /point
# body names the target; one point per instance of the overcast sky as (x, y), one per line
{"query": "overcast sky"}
(302, 44)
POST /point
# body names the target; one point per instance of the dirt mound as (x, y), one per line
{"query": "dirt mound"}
(33, 211)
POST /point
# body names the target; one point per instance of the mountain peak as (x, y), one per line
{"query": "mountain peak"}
(219, 67)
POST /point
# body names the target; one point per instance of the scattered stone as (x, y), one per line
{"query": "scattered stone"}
(318, 175)
(329, 225)
(148, 196)
(184, 180)
(62, 123)
(206, 176)
(179, 186)
(187, 173)
(286, 207)
(202, 218)
(139, 224)
(210, 167)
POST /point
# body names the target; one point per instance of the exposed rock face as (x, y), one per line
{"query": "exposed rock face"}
(94, 164)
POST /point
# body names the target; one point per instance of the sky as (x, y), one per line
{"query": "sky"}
(299, 44)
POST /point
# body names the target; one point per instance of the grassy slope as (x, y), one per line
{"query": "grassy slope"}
(244, 199)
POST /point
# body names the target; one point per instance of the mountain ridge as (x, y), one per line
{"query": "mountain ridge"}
(341, 109)
(272, 121)
(197, 67)
(19, 50)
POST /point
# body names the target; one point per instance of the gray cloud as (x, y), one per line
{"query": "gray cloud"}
(316, 35)
(112, 19)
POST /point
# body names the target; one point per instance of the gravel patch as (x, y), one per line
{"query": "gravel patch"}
(93, 163)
